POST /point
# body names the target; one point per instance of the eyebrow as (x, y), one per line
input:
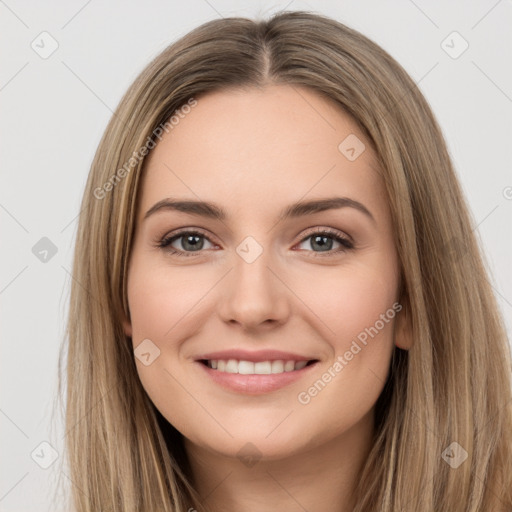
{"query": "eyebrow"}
(302, 208)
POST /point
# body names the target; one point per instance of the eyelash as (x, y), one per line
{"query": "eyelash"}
(347, 244)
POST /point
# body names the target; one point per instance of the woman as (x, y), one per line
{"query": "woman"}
(278, 300)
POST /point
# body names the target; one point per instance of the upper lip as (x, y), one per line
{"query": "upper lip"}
(254, 356)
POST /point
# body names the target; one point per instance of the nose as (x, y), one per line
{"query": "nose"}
(254, 295)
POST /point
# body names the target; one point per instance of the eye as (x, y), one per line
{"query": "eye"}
(190, 241)
(322, 241)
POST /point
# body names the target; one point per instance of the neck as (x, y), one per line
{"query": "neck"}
(314, 478)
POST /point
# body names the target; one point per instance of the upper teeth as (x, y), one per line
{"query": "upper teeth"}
(259, 368)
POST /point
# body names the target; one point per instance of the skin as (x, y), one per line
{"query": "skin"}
(253, 152)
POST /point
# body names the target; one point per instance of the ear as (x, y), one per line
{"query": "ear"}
(127, 325)
(403, 327)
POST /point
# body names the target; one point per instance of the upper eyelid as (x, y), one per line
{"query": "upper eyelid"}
(197, 231)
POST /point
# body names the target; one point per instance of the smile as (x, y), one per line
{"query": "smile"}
(255, 368)
(255, 377)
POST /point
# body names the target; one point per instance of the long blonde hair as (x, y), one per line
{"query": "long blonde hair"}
(454, 385)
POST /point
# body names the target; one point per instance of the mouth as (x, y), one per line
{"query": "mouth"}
(269, 367)
(255, 377)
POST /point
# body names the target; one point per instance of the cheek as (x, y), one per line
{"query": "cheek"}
(351, 299)
(162, 302)
(360, 311)
(165, 304)
(365, 305)
(359, 308)
(160, 298)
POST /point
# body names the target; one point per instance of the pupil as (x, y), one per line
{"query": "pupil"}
(324, 244)
(194, 245)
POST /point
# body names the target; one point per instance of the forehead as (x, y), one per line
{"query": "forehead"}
(273, 145)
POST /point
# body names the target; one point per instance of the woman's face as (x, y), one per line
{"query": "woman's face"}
(264, 278)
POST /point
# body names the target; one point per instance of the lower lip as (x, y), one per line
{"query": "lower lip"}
(255, 384)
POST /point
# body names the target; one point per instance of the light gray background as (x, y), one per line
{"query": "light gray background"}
(53, 113)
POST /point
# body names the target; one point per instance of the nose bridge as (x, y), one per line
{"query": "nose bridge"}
(253, 294)
(251, 266)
